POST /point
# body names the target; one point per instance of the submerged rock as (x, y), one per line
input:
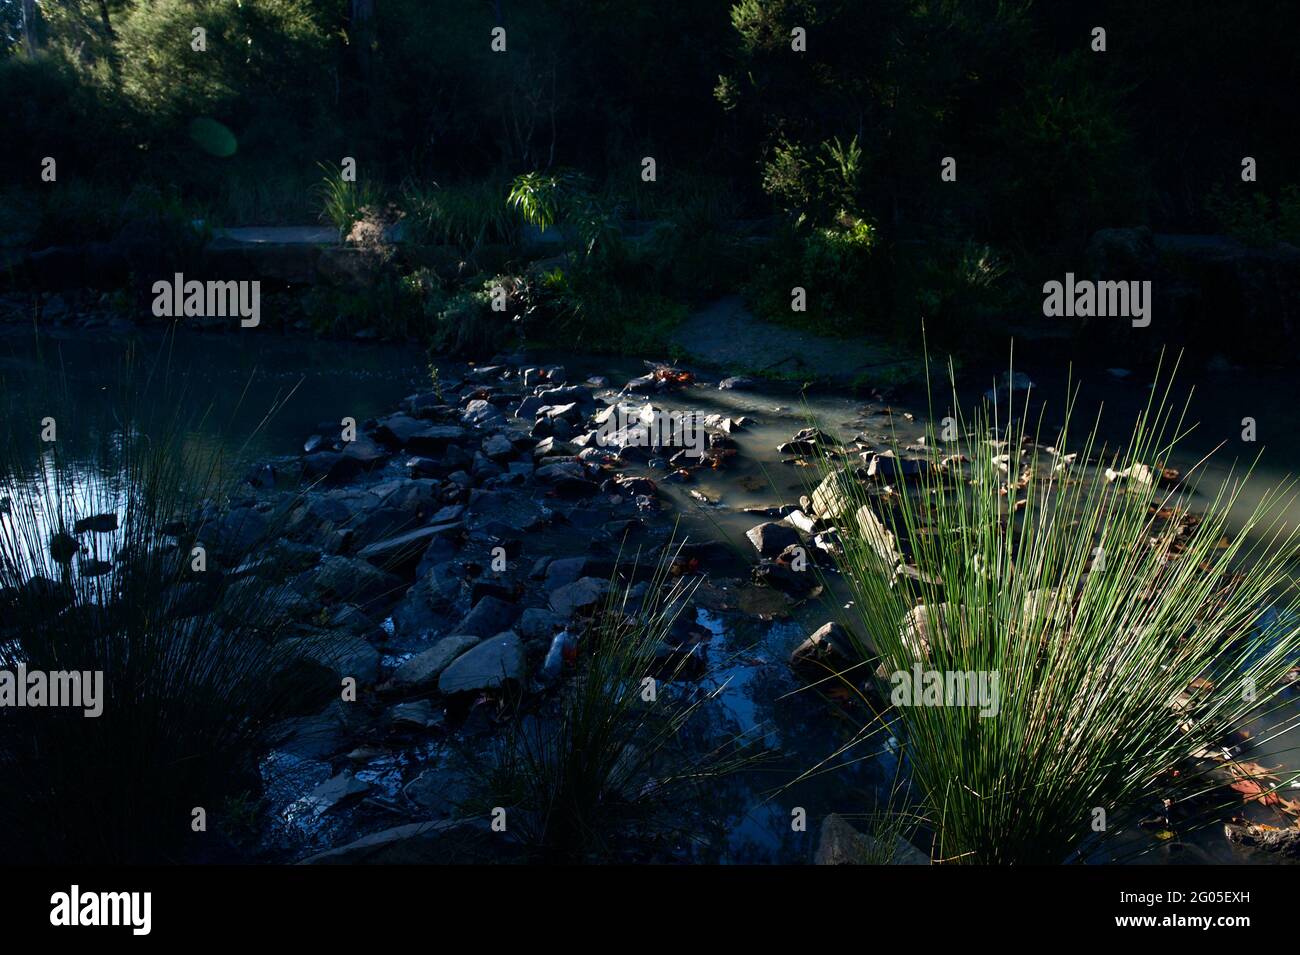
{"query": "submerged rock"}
(64, 547)
(829, 647)
(99, 523)
(336, 792)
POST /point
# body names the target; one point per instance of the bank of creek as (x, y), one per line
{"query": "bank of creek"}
(408, 521)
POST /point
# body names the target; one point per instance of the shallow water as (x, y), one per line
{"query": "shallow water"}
(310, 383)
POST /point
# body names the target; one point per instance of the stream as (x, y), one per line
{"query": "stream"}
(308, 382)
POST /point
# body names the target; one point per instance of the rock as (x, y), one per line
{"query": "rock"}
(314, 737)
(771, 538)
(421, 672)
(418, 715)
(561, 470)
(448, 515)
(331, 655)
(403, 551)
(490, 665)
(351, 620)
(482, 501)
(381, 522)
(782, 576)
(841, 844)
(802, 521)
(484, 468)
(807, 441)
(1138, 474)
(63, 547)
(874, 533)
(498, 448)
(1006, 385)
(552, 447)
(1128, 253)
(366, 452)
(642, 385)
(573, 394)
(428, 405)
(490, 615)
(538, 623)
(633, 486)
(396, 431)
(439, 790)
(582, 594)
(330, 466)
(432, 440)
(564, 570)
(529, 407)
(833, 498)
(887, 466)
(829, 542)
(1284, 842)
(336, 793)
(355, 581)
(570, 412)
(723, 423)
(93, 568)
(481, 412)
(99, 523)
(922, 625)
(418, 843)
(738, 383)
(240, 530)
(829, 648)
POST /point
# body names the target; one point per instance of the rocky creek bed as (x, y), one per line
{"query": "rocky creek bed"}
(444, 549)
(460, 544)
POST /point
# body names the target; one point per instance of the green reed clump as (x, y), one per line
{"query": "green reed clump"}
(343, 202)
(1125, 625)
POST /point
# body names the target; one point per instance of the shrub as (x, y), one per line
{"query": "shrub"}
(842, 271)
(466, 216)
(1257, 218)
(343, 201)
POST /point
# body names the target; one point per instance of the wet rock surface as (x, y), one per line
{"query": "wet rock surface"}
(454, 554)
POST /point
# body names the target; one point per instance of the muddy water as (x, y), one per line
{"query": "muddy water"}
(828, 762)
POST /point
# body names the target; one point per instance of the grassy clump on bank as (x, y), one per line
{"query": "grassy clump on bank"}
(99, 573)
(1125, 631)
